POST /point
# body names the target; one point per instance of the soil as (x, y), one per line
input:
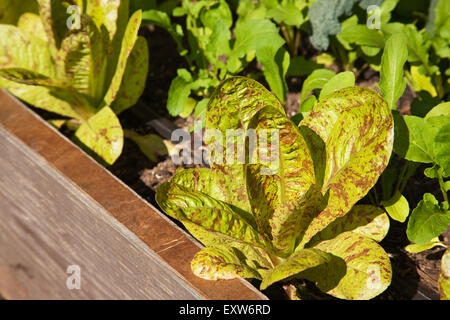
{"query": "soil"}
(414, 275)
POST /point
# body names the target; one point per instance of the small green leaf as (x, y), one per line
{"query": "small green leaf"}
(315, 80)
(427, 221)
(161, 19)
(397, 207)
(392, 82)
(128, 43)
(441, 149)
(102, 134)
(442, 109)
(339, 81)
(416, 248)
(288, 12)
(363, 36)
(444, 276)
(134, 78)
(252, 35)
(179, 92)
(414, 138)
(275, 62)
(308, 104)
(151, 145)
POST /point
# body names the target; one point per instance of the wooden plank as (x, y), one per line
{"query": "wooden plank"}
(155, 230)
(48, 224)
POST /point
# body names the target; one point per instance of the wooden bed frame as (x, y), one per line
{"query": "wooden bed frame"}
(61, 211)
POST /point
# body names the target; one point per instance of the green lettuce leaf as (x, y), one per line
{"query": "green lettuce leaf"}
(102, 134)
(222, 262)
(357, 128)
(128, 43)
(368, 267)
(392, 81)
(299, 261)
(427, 221)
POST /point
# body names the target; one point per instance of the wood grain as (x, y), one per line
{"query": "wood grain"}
(47, 224)
(153, 232)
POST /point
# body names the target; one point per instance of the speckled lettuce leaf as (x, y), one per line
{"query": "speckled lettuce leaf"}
(32, 24)
(366, 220)
(298, 262)
(444, 276)
(42, 97)
(280, 201)
(217, 184)
(134, 78)
(84, 57)
(257, 258)
(25, 76)
(21, 50)
(54, 18)
(106, 13)
(368, 269)
(222, 262)
(232, 106)
(102, 134)
(185, 204)
(357, 127)
(128, 43)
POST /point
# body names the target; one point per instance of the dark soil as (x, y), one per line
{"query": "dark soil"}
(414, 275)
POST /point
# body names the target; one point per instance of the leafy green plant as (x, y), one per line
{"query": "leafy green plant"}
(426, 140)
(88, 74)
(302, 221)
(427, 48)
(212, 54)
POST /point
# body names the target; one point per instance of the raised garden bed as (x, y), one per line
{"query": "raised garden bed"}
(59, 208)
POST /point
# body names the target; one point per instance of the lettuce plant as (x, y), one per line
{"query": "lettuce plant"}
(303, 220)
(88, 73)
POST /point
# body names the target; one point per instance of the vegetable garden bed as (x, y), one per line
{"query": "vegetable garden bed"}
(354, 205)
(59, 208)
